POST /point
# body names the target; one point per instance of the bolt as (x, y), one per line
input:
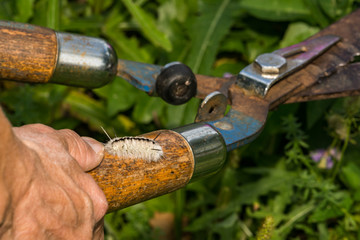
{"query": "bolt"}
(270, 63)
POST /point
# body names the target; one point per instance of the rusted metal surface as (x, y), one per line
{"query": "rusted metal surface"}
(247, 116)
(269, 68)
(348, 28)
(345, 82)
(213, 107)
(248, 111)
(141, 75)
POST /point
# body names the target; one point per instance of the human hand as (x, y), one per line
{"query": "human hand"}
(47, 193)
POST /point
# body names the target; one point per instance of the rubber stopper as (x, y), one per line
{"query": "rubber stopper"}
(176, 84)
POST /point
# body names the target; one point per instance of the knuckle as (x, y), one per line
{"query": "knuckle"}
(69, 133)
(98, 198)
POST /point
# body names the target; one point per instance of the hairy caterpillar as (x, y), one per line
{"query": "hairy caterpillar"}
(135, 148)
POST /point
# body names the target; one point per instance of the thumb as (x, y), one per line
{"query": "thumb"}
(87, 151)
(98, 149)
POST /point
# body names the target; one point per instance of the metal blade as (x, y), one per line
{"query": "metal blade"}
(141, 75)
(345, 82)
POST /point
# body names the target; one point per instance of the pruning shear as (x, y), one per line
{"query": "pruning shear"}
(320, 67)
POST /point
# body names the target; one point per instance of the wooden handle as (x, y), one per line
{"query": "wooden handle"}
(28, 53)
(126, 182)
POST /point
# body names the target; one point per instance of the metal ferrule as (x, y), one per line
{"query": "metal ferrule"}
(208, 147)
(84, 61)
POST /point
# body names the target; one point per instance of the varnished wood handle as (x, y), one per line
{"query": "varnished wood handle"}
(126, 182)
(34, 54)
(28, 53)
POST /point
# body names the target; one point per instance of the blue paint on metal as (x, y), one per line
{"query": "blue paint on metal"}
(141, 75)
(244, 129)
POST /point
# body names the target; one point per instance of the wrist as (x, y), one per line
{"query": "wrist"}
(6, 136)
(15, 171)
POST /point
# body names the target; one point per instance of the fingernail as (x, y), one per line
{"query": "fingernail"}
(96, 146)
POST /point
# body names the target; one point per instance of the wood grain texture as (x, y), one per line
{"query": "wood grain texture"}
(126, 182)
(28, 53)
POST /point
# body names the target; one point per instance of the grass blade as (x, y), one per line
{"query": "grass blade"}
(148, 26)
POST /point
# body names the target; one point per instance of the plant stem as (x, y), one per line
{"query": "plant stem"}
(110, 229)
(179, 211)
(53, 14)
(338, 164)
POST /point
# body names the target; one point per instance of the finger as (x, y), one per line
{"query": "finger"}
(97, 196)
(86, 151)
(99, 230)
(98, 148)
(32, 131)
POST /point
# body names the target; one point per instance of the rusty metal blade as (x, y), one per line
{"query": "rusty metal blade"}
(345, 82)
(336, 61)
(141, 75)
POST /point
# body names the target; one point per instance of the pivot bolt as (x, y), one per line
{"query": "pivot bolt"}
(270, 63)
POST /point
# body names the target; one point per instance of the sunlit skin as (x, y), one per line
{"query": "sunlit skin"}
(45, 192)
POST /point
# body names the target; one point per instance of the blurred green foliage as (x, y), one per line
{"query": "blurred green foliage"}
(269, 189)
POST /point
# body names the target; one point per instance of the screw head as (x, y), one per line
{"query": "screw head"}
(270, 63)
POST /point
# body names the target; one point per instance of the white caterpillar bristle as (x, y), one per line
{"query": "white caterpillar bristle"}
(135, 148)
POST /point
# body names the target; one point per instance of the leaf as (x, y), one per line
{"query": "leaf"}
(85, 25)
(53, 14)
(93, 113)
(297, 32)
(7, 9)
(225, 228)
(316, 13)
(86, 109)
(315, 111)
(227, 66)
(148, 26)
(33, 104)
(190, 111)
(163, 203)
(323, 231)
(120, 96)
(174, 115)
(327, 210)
(277, 10)
(335, 9)
(350, 175)
(171, 21)
(40, 13)
(276, 181)
(179, 115)
(298, 213)
(261, 45)
(206, 32)
(147, 108)
(25, 10)
(173, 10)
(127, 48)
(206, 220)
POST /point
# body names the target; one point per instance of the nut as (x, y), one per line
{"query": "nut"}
(270, 63)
